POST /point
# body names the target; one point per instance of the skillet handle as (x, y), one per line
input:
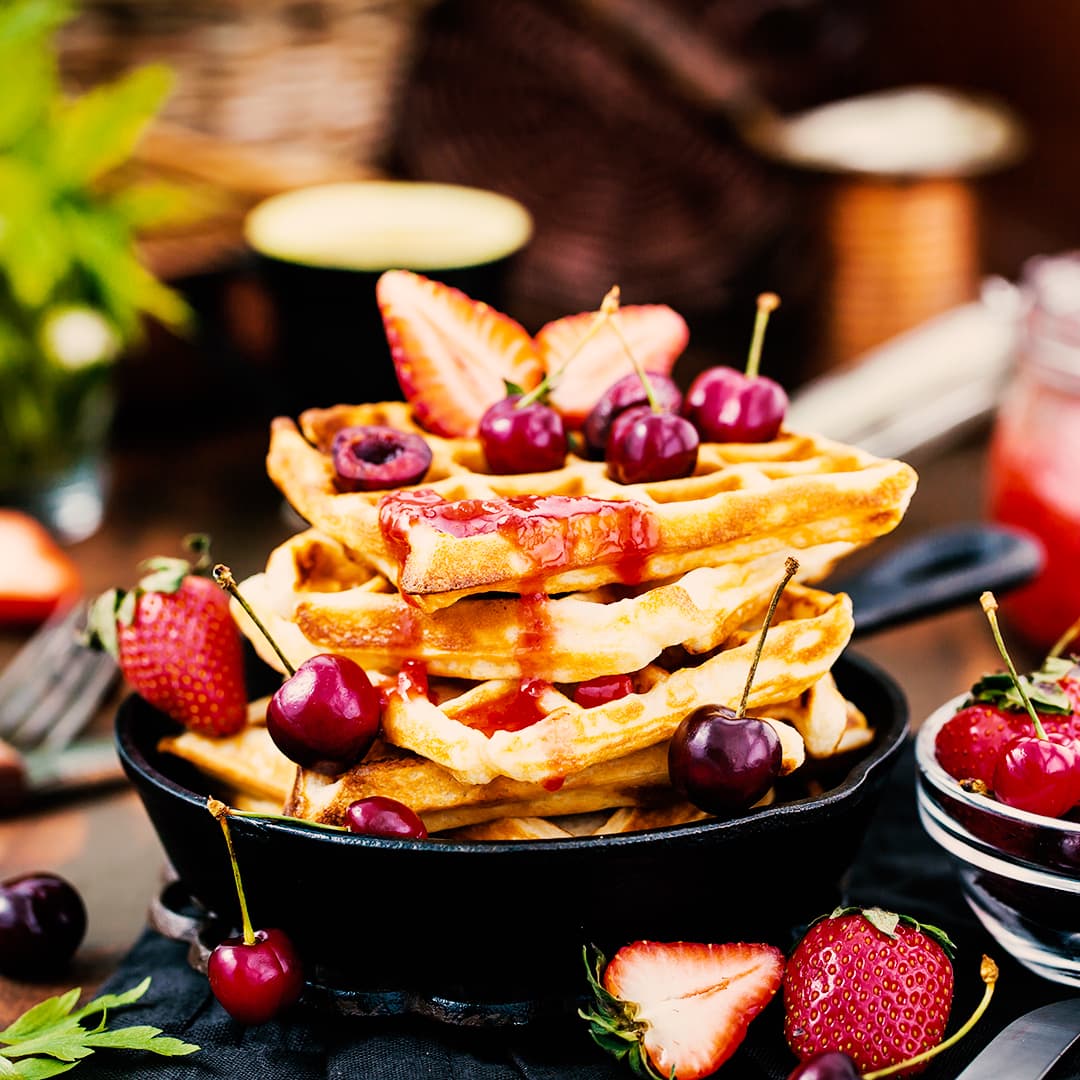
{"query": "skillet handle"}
(938, 571)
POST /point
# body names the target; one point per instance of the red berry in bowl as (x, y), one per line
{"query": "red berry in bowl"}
(378, 815)
(1039, 774)
(522, 437)
(326, 715)
(970, 742)
(257, 980)
(42, 923)
(374, 458)
(647, 446)
(621, 395)
(726, 405)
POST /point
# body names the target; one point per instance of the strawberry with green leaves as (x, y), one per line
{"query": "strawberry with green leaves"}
(871, 984)
(679, 1009)
(177, 645)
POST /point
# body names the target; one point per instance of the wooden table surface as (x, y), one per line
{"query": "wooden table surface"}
(105, 845)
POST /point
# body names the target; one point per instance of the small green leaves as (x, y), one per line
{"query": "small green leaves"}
(49, 1038)
(1041, 686)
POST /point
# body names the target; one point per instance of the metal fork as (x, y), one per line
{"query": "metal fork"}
(49, 693)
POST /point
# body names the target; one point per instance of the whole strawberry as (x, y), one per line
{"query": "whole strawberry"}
(873, 984)
(176, 642)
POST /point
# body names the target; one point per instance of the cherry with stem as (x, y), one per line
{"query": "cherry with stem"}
(1038, 773)
(327, 713)
(720, 759)
(258, 975)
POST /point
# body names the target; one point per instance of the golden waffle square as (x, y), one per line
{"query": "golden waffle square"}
(314, 596)
(462, 531)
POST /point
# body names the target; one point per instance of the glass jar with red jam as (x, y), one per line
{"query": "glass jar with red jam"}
(1034, 468)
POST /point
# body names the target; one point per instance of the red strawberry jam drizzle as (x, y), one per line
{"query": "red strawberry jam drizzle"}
(412, 683)
(517, 709)
(545, 528)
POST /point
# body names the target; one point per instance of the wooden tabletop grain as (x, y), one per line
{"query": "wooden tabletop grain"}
(166, 488)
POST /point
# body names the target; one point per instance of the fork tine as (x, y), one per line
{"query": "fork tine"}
(103, 672)
(58, 694)
(36, 665)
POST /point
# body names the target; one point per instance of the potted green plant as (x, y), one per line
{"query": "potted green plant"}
(73, 292)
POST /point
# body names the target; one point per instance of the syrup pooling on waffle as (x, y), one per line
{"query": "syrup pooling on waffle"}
(463, 531)
(316, 597)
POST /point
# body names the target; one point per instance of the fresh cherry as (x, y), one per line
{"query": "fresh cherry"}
(378, 815)
(970, 742)
(647, 446)
(723, 762)
(720, 759)
(521, 436)
(621, 395)
(373, 458)
(1040, 774)
(258, 974)
(326, 715)
(255, 980)
(726, 405)
(828, 1065)
(602, 689)
(42, 923)
(1037, 772)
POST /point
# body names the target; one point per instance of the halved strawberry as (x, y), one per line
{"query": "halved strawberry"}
(680, 1008)
(453, 355)
(656, 334)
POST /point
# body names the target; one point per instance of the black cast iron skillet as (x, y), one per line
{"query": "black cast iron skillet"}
(492, 933)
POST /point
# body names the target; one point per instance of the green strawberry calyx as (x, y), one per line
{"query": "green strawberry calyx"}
(613, 1023)
(116, 607)
(1043, 688)
(887, 922)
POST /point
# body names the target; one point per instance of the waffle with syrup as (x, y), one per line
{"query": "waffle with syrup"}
(464, 531)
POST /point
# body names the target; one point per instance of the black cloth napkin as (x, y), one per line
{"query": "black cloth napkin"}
(898, 868)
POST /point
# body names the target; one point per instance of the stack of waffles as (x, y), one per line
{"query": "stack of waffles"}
(481, 604)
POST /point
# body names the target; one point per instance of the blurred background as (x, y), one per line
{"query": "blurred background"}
(611, 121)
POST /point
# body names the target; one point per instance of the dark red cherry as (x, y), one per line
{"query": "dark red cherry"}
(602, 689)
(42, 923)
(326, 716)
(1041, 776)
(727, 406)
(646, 446)
(522, 438)
(828, 1065)
(374, 458)
(721, 762)
(256, 982)
(378, 815)
(623, 394)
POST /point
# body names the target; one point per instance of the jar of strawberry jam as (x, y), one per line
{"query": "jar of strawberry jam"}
(1034, 467)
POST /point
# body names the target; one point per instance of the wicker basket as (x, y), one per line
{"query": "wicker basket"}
(313, 75)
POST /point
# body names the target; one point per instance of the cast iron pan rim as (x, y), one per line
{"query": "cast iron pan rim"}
(890, 740)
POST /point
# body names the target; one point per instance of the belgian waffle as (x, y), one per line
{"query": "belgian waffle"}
(464, 531)
(314, 596)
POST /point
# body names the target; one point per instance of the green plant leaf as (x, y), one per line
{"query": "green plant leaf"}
(26, 22)
(141, 1037)
(29, 82)
(40, 1016)
(154, 203)
(99, 130)
(41, 1068)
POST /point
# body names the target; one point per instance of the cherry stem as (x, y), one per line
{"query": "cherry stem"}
(260, 815)
(790, 566)
(988, 972)
(1059, 645)
(989, 605)
(223, 576)
(221, 812)
(650, 393)
(767, 303)
(608, 306)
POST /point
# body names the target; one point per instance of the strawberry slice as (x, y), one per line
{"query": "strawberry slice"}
(452, 354)
(656, 334)
(36, 574)
(688, 1005)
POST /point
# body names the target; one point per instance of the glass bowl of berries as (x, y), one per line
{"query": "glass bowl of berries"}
(998, 788)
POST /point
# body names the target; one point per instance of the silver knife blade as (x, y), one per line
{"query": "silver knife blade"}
(1030, 1046)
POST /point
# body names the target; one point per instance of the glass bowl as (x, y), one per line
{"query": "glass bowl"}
(1019, 872)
